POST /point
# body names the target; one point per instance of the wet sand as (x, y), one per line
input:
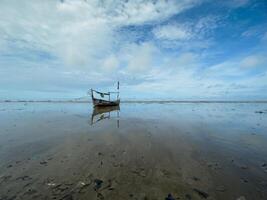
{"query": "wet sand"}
(142, 151)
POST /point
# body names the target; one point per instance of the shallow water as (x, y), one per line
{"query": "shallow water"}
(141, 151)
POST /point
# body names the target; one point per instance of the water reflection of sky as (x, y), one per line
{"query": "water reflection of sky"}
(236, 115)
(216, 114)
(203, 133)
(217, 119)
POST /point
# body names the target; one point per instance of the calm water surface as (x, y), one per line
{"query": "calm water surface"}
(138, 151)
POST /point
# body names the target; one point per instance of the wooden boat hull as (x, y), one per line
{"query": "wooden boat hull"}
(103, 103)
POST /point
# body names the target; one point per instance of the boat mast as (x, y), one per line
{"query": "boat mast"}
(92, 94)
(118, 88)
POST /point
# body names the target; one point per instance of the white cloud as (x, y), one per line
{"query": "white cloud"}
(185, 80)
(237, 67)
(172, 32)
(206, 25)
(143, 11)
(84, 40)
(254, 61)
(139, 57)
(79, 32)
(189, 35)
(111, 63)
(201, 28)
(81, 38)
(256, 31)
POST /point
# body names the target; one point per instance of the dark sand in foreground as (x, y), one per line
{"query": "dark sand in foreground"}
(144, 151)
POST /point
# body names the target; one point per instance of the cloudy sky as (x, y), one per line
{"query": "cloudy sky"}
(169, 49)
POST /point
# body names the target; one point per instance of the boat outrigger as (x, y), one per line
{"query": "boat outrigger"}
(104, 102)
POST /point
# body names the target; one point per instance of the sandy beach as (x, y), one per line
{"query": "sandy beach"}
(141, 151)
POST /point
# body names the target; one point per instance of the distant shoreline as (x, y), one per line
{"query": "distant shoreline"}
(129, 101)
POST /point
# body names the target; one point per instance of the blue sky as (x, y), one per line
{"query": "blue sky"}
(179, 50)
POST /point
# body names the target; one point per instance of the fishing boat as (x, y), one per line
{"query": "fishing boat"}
(105, 102)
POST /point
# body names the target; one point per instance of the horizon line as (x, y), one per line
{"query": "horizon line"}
(137, 101)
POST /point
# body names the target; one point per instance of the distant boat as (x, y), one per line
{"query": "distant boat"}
(105, 102)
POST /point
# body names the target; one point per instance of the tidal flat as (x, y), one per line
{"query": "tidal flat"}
(139, 151)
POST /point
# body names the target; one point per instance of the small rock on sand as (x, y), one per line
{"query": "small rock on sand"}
(43, 162)
(201, 193)
(98, 184)
(169, 197)
(244, 167)
(244, 180)
(195, 178)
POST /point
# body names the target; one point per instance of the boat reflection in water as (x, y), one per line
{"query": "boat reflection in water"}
(105, 112)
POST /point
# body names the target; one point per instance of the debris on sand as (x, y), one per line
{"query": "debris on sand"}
(241, 198)
(195, 178)
(244, 180)
(261, 111)
(27, 185)
(67, 197)
(24, 178)
(244, 167)
(100, 196)
(169, 197)
(81, 186)
(30, 192)
(98, 184)
(51, 184)
(214, 165)
(201, 193)
(43, 162)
